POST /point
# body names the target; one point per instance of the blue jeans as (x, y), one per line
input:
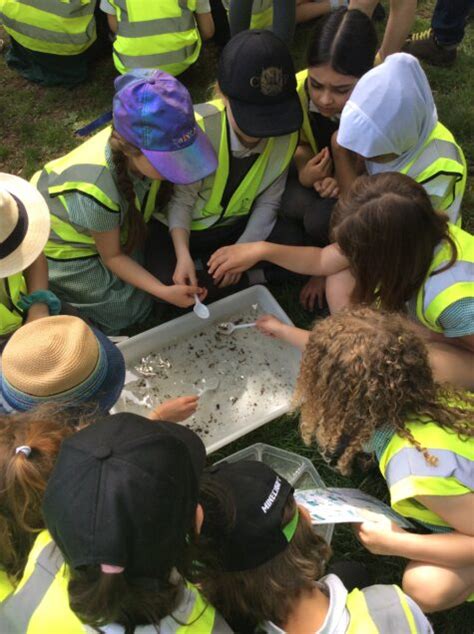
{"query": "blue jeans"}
(283, 17)
(449, 20)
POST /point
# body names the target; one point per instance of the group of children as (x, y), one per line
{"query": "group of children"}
(342, 174)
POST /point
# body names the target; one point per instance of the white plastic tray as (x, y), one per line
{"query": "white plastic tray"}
(221, 432)
(299, 471)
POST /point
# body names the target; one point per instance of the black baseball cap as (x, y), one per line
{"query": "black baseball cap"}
(255, 500)
(124, 492)
(257, 75)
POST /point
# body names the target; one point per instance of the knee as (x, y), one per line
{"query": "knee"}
(419, 584)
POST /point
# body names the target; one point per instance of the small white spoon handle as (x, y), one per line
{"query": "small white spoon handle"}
(249, 325)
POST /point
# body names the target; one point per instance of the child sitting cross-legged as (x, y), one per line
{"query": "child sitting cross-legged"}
(261, 563)
(366, 385)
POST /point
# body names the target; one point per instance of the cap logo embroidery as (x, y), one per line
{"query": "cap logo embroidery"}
(185, 137)
(271, 81)
(267, 505)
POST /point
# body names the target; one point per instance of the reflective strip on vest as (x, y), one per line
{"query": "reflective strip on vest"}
(270, 164)
(409, 475)
(440, 290)
(12, 318)
(379, 609)
(156, 35)
(307, 131)
(441, 155)
(83, 170)
(47, 26)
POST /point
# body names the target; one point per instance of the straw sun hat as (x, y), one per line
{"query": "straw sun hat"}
(61, 360)
(24, 224)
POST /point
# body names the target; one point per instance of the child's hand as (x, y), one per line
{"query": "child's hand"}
(236, 258)
(327, 188)
(312, 291)
(185, 271)
(317, 168)
(229, 279)
(182, 295)
(176, 410)
(270, 325)
(378, 537)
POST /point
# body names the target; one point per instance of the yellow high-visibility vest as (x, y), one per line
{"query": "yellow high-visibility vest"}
(58, 27)
(83, 170)
(11, 317)
(162, 34)
(269, 165)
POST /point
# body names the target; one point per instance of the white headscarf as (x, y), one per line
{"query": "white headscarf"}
(391, 111)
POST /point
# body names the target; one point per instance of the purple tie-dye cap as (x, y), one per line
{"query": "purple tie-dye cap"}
(153, 111)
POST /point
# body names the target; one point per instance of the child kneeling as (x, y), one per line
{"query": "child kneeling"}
(260, 561)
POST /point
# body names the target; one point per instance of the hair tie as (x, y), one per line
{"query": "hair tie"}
(111, 570)
(25, 449)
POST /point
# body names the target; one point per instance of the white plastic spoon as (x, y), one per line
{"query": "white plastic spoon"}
(200, 309)
(227, 327)
(208, 386)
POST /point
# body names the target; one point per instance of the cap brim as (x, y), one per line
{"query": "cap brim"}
(261, 122)
(188, 165)
(115, 378)
(38, 225)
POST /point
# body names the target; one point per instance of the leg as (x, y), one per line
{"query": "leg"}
(451, 364)
(240, 14)
(284, 19)
(221, 23)
(339, 288)
(449, 21)
(452, 585)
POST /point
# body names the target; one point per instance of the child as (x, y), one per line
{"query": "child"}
(394, 250)
(24, 230)
(51, 42)
(102, 194)
(260, 561)
(391, 122)
(366, 384)
(253, 128)
(61, 360)
(342, 48)
(164, 35)
(120, 504)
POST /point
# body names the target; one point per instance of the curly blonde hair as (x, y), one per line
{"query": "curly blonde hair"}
(362, 370)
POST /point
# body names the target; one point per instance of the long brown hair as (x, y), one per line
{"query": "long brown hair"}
(98, 598)
(388, 229)
(268, 592)
(362, 370)
(23, 479)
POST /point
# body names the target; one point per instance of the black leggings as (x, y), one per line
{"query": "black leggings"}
(306, 207)
(284, 12)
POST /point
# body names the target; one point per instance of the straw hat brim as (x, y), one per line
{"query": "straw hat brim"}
(110, 389)
(39, 224)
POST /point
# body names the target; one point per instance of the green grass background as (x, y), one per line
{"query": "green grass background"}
(37, 124)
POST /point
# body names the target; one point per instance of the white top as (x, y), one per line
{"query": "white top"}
(202, 6)
(337, 619)
(263, 215)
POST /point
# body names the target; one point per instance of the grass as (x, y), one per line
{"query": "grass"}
(38, 124)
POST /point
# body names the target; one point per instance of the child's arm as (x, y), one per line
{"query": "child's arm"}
(308, 9)
(347, 165)
(36, 278)
(110, 12)
(125, 267)
(273, 327)
(185, 271)
(454, 549)
(305, 260)
(402, 15)
(175, 410)
(205, 23)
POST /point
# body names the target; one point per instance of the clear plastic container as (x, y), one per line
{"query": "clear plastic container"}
(299, 471)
